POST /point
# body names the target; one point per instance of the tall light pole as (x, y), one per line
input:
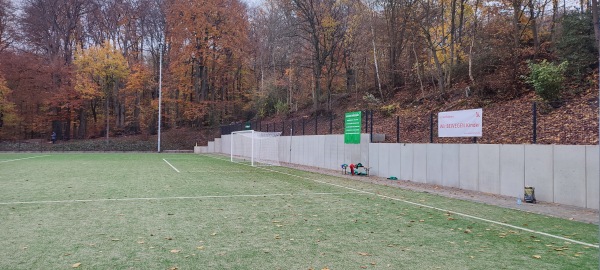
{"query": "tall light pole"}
(160, 49)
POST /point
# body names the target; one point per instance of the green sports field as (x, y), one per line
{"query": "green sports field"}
(184, 211)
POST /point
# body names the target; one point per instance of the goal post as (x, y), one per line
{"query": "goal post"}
(259, 148)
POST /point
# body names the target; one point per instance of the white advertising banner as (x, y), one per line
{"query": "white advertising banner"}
(466, 123)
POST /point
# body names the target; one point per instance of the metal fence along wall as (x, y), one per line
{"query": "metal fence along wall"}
(565, 174)
(522, 123)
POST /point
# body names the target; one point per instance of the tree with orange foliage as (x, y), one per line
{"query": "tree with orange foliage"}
(138, 97)
(101, 72)
(8, 116)
(206, 41)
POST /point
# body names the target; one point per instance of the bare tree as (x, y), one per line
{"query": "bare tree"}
(52, 26)
(322, 25)
(7, 26)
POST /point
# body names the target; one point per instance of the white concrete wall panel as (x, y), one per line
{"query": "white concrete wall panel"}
(539, 171)
(395, 157)
(420, 163)
(355, 153)
(308, 145)
(330, 152)
(384, 160)
(284, 148)
(226, 144)
(297, 149)
(563, 174)
(434, 163)
(218, 145)
(592, 176)
(489, 168)
(469, 166)
(406, 161)
(347, 150)
(211, 147)
(309, 151)
(512, 170)
(320, 151)
(341, 151)
(450, 165)
(569, 175)
(374, 158)
(361, 153)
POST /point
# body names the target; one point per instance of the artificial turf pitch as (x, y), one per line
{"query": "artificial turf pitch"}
(185, 211)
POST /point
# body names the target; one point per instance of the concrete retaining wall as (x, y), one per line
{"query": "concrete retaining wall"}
(565, 174)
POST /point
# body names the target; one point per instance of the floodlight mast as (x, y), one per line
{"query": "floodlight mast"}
(160, 49)
(252, 147)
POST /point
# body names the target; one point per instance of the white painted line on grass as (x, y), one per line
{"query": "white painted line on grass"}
(171, 165)
(442, 210)
(489, 221)
(301, 177)
(220, 171)
(11, 160)
(185, 198)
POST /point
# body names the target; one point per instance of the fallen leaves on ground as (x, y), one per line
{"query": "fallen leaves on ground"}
(76, 265)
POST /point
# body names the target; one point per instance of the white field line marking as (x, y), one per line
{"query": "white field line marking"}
(171, 165)
(302, 177)
(443, 210)
(220, 171)
(11, 160)
(184, 198)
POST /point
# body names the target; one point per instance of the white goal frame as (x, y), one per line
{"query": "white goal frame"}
(256, 137)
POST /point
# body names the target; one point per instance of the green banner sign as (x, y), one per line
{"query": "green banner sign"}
(352, 127)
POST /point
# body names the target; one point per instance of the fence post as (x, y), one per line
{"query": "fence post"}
(534, 111)
(331, 124)
(398, 129)
(366, 121)
(303, 121)
(292, 129)
(430, 127)
(371, 128)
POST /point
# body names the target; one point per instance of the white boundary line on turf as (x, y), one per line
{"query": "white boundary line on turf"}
(439, 209)
(185, 198)
(11, 160)
(219, 171)
(171, 165)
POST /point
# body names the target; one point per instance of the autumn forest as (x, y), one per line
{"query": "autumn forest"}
(85, 68)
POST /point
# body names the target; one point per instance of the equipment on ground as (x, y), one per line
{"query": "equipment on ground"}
(529, 195)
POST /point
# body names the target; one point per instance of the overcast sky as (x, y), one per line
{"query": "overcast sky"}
(253, 3)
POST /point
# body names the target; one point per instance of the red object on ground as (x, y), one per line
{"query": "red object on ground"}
(352, 166)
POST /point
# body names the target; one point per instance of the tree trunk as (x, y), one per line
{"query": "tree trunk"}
(317, 81)
(533, 24)
(516, 36)
(596, 22)
(471, 77)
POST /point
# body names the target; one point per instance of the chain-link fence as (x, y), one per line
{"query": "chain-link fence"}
(521, 123)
